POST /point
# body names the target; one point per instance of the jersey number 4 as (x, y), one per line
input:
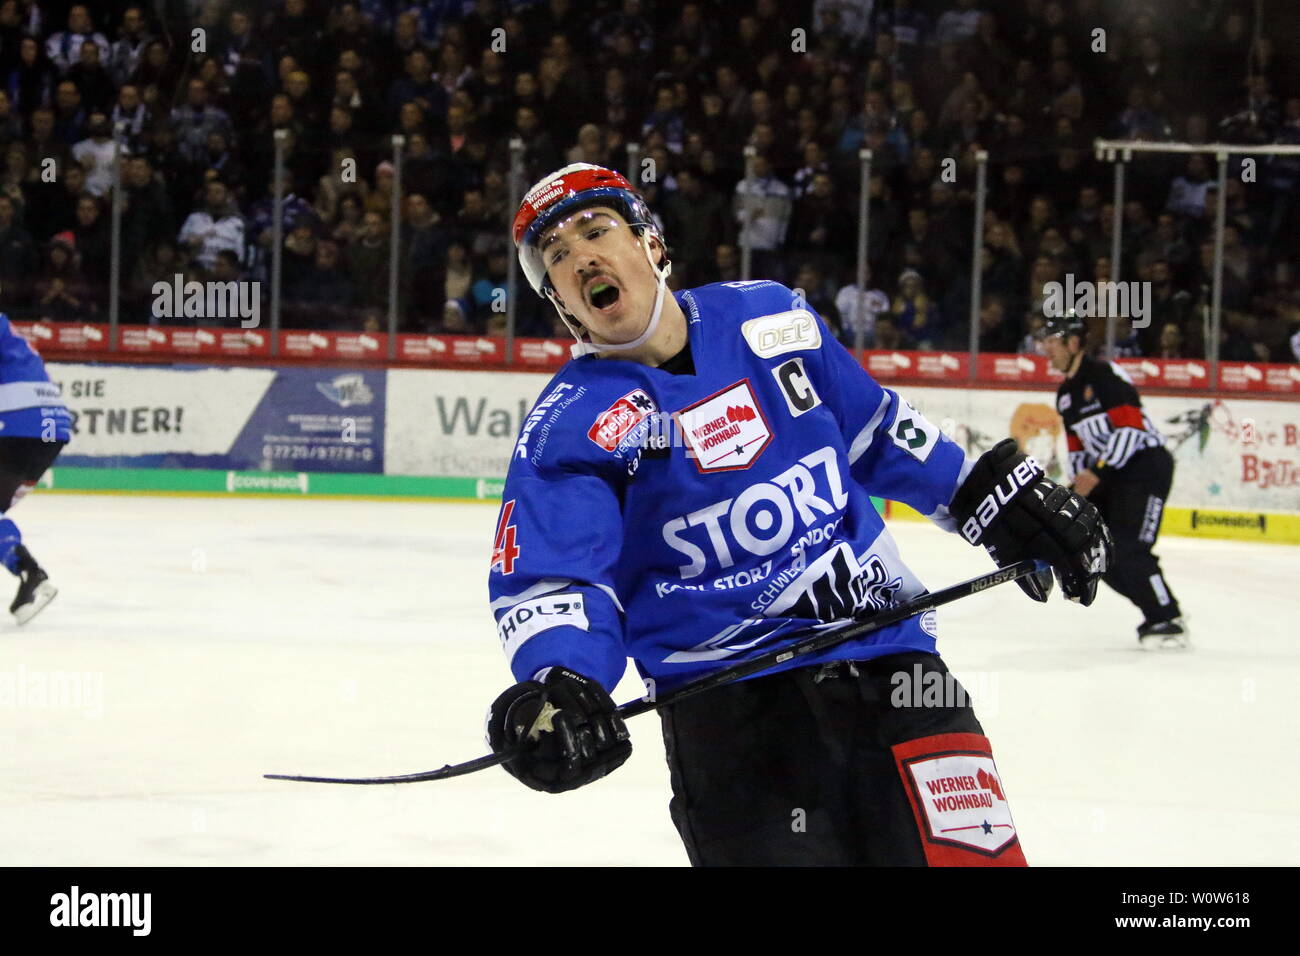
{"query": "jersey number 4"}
(504, 549)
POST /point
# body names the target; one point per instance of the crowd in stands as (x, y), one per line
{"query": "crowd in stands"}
(924, 84)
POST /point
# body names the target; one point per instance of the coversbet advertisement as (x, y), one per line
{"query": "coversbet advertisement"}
(266, 419)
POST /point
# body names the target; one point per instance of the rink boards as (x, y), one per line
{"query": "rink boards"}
(416, 433)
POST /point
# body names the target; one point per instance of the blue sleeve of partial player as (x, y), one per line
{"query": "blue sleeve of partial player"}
(552, 578)
(894, 451)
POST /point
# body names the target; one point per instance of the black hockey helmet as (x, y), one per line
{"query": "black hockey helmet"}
(1064, 326)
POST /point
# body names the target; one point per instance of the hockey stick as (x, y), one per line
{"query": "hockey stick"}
(816, 641)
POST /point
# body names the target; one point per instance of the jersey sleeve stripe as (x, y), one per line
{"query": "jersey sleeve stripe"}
(864, 438)
(1126, 416)
(537, 590)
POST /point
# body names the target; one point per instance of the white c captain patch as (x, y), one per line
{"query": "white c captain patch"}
(781, 332)
(529, 618)
(912, 432)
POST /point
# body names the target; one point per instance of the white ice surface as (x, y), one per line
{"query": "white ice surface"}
(238, 636)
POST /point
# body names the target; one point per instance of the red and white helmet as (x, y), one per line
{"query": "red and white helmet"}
(564, 193)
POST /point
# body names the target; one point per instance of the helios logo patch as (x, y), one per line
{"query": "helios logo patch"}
(725, 431)
(912, 432)
(781, 332)
(615, 422)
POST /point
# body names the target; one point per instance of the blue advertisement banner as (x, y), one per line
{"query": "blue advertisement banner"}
(246, 419)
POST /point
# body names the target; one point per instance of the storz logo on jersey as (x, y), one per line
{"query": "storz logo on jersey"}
(760, 520)
(346, 390)
(1063, 403)
(726, 431)
(615, 422)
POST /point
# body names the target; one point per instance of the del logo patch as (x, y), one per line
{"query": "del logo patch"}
(772, 335)
(961, 800)
(615, 422)
(725, 431)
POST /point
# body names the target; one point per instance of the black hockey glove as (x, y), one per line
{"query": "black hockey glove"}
(1010, 507)
(568, 723)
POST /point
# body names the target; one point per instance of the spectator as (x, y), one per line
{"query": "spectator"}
(148, 211)
(1187, 192)
(195, 120)
(913, 313)
(455, 318)
(156, 72)
(540, 152)
(819, 231)
(97, 154)
(217, 226)
(762, 210)
(347, 226)
(859, 308)
(487, 294)
(321, 293)
(64, 47)
(417, 86)
(367, 260)
(958, 23)
(424, 246)
(125, 53)
(696, 215)
(18, 257)
(1169, 304)
(91, 235)
(129, 109)
(1171, 341)
(30, 82)
(61, 295)
(69, 114)
(160, 262)
(92, 78)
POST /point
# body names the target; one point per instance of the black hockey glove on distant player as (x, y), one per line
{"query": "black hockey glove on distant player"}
(1008, 505)
(568, 723)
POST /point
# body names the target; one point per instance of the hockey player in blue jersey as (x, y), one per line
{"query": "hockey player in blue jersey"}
(34, 427)
(693, 489)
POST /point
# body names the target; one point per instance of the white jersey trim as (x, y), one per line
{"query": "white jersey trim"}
(546, 587)
(17, 395)
(864, 438)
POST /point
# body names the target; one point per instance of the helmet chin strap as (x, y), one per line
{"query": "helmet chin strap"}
(583, 347)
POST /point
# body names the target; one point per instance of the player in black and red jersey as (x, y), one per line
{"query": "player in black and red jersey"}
(1120, 463)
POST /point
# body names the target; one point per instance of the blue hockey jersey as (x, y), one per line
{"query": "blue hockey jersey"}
(691, 521)
(30, 405)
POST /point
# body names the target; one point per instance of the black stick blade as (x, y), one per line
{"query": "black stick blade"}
(450, 770)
